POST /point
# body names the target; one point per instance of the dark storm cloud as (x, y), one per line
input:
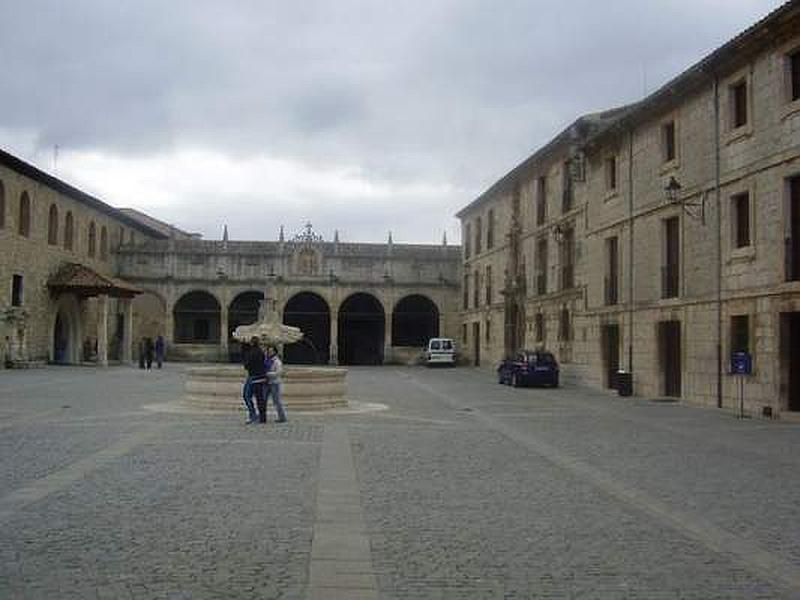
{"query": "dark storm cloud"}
(442, 93)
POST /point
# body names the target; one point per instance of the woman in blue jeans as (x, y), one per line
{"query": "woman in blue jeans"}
(274, 384)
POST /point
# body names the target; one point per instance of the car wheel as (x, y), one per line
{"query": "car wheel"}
(555, 382)
(500, 379)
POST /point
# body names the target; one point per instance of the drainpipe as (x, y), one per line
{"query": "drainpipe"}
(630, 253)
(718, 200)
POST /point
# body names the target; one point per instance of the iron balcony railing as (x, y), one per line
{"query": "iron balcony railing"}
(669, 281)
(792, 256)
(611, 290)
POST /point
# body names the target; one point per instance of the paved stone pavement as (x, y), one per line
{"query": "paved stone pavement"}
(461, 489)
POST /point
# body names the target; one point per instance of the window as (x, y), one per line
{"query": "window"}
(740, 210)
(120, 236)
(564, 333)
(52, 225)
(16, 290)
(793, 75)
(541, 200)
(487, 331)
(568, 260)
(488, 285)
(541, 267)
(538, 326)
(466, 292)
(566, 188)
(92, 240)
(490, 230)
(740, 333)
(2, 206)
(612, 271)
(131, 237)
(103, 243)
(670, 269)
(464, 333)
(476, 284)
(611, 173)
(478, 234)
(467, 240)
(668, 141)
(24, 215)
(738, 104)
(69, 231)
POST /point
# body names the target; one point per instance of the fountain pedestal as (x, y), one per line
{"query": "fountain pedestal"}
(305, 389)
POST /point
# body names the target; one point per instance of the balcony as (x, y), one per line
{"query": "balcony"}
(611, 290)
(670, 281)
(792, 257)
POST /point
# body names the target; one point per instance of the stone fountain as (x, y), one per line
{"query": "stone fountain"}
(305, 388)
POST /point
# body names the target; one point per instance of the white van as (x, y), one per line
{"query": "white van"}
(440, 351)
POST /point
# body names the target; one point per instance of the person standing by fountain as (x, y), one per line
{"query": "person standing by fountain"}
(274, 382)
(256, 383)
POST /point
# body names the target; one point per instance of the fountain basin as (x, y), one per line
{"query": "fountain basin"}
(305, 388)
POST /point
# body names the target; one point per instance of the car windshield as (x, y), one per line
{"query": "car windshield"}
(447, 345)
(435, 345)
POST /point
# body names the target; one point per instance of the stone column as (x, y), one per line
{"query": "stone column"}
(334, 344)
(127, 330)
(223, 333)
(387, 339)
(102, 330)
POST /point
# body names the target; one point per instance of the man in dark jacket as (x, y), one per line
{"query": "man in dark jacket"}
(256, 382)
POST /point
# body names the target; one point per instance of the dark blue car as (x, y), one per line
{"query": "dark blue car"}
(529, 367)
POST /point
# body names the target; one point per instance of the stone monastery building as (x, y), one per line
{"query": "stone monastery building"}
(657, 238)
(85, 282)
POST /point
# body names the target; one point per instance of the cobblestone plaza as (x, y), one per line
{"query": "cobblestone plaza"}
(459, 489)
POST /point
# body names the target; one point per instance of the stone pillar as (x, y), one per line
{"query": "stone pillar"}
(127, 330)
(334, 345)
(102, 330)
(387, 339)
(223, 332)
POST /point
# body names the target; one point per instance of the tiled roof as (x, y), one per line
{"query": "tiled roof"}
(82, 280)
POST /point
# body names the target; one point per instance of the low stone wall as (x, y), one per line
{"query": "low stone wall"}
(195, 353)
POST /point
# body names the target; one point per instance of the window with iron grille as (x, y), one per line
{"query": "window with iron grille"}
(490, 229)
(738, 104)
(541, 200)
(741, 219)
(668, 141)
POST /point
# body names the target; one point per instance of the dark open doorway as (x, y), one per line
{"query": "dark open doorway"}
(242, 311)
(790, 345)
(610, 349)
(669, 343)
(61, 340)
(476, 344)
(361, 330)
(311, 314)
(415, 320)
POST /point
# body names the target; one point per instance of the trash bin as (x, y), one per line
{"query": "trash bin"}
(624, 383)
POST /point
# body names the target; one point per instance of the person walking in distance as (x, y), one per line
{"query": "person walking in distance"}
(160, 347)
(274, 385)
(148, 352)
(256, 383)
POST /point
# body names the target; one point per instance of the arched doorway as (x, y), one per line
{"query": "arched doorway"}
(311, 314)
(197, 319)
(361, 327)
(414, 321)
(242, 311)
(61, 340)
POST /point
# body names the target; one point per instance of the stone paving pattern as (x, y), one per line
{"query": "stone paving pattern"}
(461, 489)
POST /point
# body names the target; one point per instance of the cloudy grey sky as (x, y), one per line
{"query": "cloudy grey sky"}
(362, 116)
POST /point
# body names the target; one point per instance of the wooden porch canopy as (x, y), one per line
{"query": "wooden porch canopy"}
(85, 282)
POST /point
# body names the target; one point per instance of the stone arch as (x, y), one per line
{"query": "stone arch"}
(310, 312)
(52, 225)
(24, 227)
(415, 319)
(197, 318)
(361, 322)
(243, 310)
(66, 331)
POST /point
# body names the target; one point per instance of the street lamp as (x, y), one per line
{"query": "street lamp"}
(694, 208)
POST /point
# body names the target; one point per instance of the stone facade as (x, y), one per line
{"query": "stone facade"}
(35, 243)
(665, 286)
(202, 289)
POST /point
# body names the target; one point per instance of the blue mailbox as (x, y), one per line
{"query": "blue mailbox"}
(741, 363)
